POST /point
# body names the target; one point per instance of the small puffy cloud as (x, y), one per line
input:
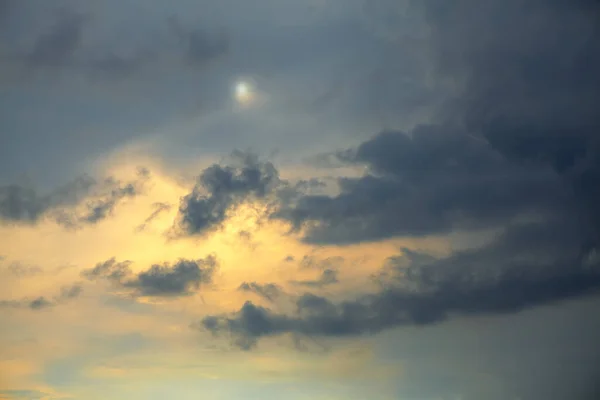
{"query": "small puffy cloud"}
(70, 292)
(220, 188)
(109, 269)
(180, 278)
(39, 303)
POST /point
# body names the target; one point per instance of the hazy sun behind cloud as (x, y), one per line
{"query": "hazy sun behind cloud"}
(316, 199)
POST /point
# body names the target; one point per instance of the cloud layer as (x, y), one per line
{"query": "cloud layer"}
(410, 208)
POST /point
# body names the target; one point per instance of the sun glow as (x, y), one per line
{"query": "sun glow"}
(244, 93)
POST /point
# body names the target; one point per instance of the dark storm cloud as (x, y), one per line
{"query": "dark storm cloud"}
(268, 291)
(528, 265)
(520, 136)
(161, 280)
(431, 181)
(220, 188)
(83, 201)
(532, 91)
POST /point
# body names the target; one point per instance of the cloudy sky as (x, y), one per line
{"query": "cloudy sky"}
(317, 199)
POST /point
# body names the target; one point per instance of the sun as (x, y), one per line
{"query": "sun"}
(244, 93)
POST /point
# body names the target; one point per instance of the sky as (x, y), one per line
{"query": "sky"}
(318, 199)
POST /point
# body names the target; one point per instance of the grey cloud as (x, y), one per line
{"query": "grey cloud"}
(313, 262)
(178, 279)
(23, 270)
(40, 303)
(312, 183)
(70, 292)
(520, 142)
(62, 47)
(328, 268)
(193, 48)
(518, 137)
(109, 269)
(201, 46)
(532, 91)
(161, 280)
(250, 323)
(103, 205)
(99, 210)
(329, 160)
(289, 193)
(328, 277)
(430, 181)
(268, 291)
(21, 204)
(18, 203)
(527, 265)
(10, 303)
(66, 294)
(116, 66)
(57, 46)
(221, 188)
